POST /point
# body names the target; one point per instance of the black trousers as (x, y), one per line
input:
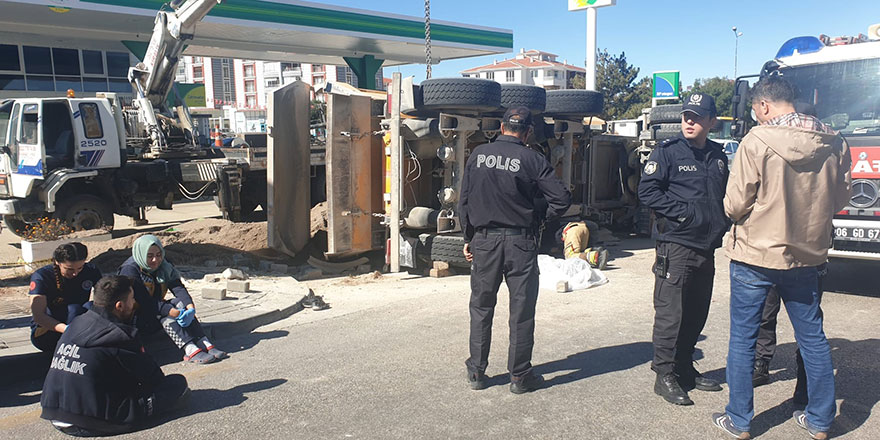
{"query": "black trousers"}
(515, 258)
(168, 396)
(681, 303)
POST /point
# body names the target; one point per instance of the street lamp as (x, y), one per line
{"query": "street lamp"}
(735, 50)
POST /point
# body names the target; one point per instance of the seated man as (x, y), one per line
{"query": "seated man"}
(100, 381)
(58, 292)
(576, 241)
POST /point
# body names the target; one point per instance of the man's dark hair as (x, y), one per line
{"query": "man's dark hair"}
(70, 252)
(774, 89)
(517, 128)
(111, 289)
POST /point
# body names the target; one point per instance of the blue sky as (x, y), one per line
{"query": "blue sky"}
(690, 36)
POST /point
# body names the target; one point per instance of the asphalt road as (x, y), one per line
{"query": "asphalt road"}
(387, 362)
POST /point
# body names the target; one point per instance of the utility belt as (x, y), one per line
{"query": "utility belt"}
(509, 232)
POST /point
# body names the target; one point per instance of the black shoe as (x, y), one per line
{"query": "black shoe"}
(761, 373)
(528, 383)
(309, 300)
(722, 420)
(319, 304)
(689, 378)
(667, 386)
(477, 381)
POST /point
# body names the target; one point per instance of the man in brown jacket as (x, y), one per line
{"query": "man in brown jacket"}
(790, 176)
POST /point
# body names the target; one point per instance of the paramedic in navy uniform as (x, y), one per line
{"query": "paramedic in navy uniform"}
(683, 182)
(500, 183)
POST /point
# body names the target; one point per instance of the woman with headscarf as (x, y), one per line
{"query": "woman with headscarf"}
(58, 293)
(154, 277)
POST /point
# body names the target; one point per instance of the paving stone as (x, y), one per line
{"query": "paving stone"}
(238, 286)
(441, 273)
(213, 293)
(280, 268)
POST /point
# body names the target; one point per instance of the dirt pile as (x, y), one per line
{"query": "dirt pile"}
(195, 243)
(319, 218)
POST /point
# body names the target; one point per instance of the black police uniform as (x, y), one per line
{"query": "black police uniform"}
(684, 186)
(500, 183)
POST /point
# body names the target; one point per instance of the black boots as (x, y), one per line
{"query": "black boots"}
(527, 383)
(689, 378)
(667, 387)
(761, 374)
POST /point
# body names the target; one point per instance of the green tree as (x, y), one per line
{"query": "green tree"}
(618, 82)
(719, 88)
(577, 82)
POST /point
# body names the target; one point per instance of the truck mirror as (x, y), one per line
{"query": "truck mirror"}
(740, 99)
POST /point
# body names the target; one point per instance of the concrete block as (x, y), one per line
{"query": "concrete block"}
(211, 278)
(213, 293)
(234, 274)
(441, 273)
(441, 265)
(265, 265)
(310, 273)
(280, 268)
(238, 286)
(562, 286)
(364, 268)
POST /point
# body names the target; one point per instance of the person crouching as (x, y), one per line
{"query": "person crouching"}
(101, 382)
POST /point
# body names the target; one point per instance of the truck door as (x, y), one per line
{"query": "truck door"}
(97, 140)
(30, 152)
(351, 175)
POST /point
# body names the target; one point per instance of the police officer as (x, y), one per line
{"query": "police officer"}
(683, 182)
(501, 181)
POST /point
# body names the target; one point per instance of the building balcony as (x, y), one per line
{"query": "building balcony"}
(292, 73)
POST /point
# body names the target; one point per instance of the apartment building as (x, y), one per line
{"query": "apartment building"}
(532, 67)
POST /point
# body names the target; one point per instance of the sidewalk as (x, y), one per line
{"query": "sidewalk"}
(271, 298)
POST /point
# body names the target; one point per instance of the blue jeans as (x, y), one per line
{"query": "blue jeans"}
(799, 290)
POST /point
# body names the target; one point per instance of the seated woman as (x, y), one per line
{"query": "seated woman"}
(153, 277)
(58, 293)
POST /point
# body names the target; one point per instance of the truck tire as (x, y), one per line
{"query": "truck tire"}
(574, 103)
(532, 97)
(662, 132)
(664, 114)
(85, 211)
(469, 94)
(15, 225)
(446, 248)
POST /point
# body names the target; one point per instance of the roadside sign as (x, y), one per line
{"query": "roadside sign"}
(666, 84)
(579, 5)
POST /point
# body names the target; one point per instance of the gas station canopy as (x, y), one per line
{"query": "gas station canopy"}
(270, 30)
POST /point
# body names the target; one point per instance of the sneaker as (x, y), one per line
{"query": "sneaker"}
(761, 373)
(722, 420)
(526, 383)
(477, 381)
(667, 387)
(319, 304)
(800, 418)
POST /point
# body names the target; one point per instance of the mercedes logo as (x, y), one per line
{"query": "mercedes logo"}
(864, 194)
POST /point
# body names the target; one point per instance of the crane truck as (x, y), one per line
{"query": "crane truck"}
(82, 160)
(838, 79)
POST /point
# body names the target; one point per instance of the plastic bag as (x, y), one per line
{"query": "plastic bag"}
(576, 271)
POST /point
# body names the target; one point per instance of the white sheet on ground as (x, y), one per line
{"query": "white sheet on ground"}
(577, 272)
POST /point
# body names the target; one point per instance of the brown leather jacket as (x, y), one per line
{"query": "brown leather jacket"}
(786, 183)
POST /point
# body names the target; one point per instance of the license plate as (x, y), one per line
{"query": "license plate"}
(857, 234)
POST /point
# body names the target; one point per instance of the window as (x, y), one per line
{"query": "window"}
(119, 85)
(272, 82)
(534, 74)
(66, 61)
(509, 76)
(5, 111)
(251, 101)
(249, 71)
(94, 84)
(198, 60)
(40, 83)
(11, 82)
(37, 60)
(29, 125)
(118, 64)
(92, 62)
(250, 86)
(9, 59)
(64, 83)
(91, 120)
(490, 75)
(198, 73)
